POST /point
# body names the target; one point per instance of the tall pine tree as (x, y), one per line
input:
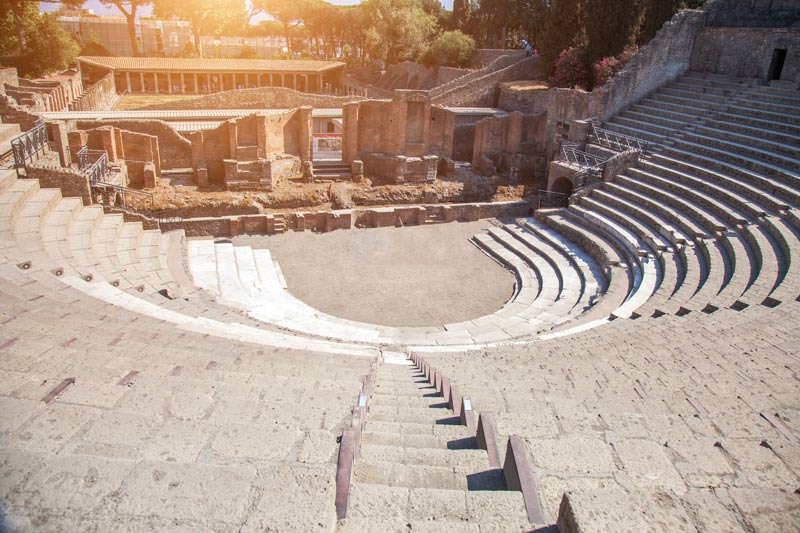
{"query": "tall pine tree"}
(610, 25)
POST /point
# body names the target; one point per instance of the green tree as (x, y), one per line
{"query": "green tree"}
(18, 11)
(657, 12)
(49, 48)
(554, 26)
(290, 13)
(398, 30)
(610, 26)
(93, 47)
(461, 13)
(452, 49)
(204, 16)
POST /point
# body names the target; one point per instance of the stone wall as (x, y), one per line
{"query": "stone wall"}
(747, 52)
(175, 149)
(99, 97)
(753, 14)
(251, 138)
(410, 75)
(515, 145)
(323, 221)
(259, 98)
(663, 59)
(71, 181)
(478, 88)
(8, 76)
(485, 56)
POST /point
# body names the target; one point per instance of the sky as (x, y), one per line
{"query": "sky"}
(99, 9)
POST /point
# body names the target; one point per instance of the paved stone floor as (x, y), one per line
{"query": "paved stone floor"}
(391, 277)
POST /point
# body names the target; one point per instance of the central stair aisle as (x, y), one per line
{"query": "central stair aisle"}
(420, 469)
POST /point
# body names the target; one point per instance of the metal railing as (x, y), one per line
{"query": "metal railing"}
(618, 141)
(29, 145)
(124, 197)
(592, 166)
(551, 199)
(85, 157)
(98, 169)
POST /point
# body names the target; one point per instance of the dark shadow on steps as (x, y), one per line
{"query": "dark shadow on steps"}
(443, 405)
(467, 443)
(487, 480)
(431, 394)
(449, 421)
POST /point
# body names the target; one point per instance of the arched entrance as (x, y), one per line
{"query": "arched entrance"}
(562, 185)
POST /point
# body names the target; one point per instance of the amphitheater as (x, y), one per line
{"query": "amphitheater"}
(624, 361)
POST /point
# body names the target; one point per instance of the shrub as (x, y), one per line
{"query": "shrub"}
(571, 69)
(605, 69)
(451, 49)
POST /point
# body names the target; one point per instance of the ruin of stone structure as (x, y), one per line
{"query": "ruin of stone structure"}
(563, 310)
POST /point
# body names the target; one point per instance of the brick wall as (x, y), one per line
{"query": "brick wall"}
(72, 182)
(175, 149)
(260, 98)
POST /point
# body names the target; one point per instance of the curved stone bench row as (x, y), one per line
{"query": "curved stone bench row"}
(250, 280)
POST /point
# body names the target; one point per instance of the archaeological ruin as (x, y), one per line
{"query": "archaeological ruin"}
(269, 295)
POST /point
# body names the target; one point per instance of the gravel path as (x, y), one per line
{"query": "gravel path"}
(413, 276)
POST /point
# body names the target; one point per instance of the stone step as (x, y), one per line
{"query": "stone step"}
(450, 430)
(410, 476)
(471, 459)
(425, 509)
(410, 440)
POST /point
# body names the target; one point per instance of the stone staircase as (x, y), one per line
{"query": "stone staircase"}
(326, 170)
(7, 133)
(421, 469)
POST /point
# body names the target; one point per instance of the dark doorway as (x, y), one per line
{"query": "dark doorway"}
(776, 67)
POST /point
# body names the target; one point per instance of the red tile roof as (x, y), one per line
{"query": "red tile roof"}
(177, 64)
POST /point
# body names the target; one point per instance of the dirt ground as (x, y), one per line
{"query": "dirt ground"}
(413, 276)
(130, 101)
(180, 197)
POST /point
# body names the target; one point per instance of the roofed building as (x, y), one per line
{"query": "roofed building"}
(152, 75)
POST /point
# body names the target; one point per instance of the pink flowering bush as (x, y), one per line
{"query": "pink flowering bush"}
(571, 69)
(604, 69)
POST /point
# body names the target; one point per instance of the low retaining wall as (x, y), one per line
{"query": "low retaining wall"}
(324, 221)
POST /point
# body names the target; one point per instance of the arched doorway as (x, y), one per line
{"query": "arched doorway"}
(562, 185)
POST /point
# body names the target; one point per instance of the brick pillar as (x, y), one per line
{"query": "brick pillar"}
(350, 132)
(59, 138)
(109, 143)
(304, 133)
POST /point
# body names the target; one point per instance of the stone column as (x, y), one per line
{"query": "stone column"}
(183, 84)
(196, 90)
(155, 77)
(58, 137)
(141, 80)
(169, 82)
(304, 135)
(128, 79)
(350, 132)
(283, 82)
(305, 83)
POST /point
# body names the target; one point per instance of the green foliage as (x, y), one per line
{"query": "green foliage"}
(553, 27)
(206, 17)
(93, 47)
(657, 12)
(247, 52)
(610, 26)
(452, 49)
(399, 30)
(49, 49)
(461, 14)
(571, 69)
(47, 46)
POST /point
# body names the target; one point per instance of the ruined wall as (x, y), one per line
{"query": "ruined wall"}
(250, 138)
(753, 14)
(260, 98)
(71, 181)
(99, 97)
(410, 75)
(8, 76)
(663, 59)
(323, 221)
(485, 56)
(747, 52)
(478, 88)
(175, 149)
(514, 144)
